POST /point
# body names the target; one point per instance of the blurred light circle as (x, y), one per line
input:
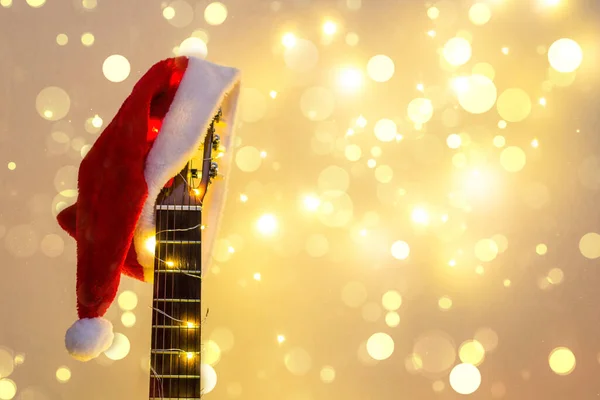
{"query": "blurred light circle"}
(465, 379)
(400, 250)
(384, 173)
(457, 51)
(116, 68)
(380, 68)
(380, 346)
(334, 178)
(488, 338)
(562, 361)
(179, 13)
(127, 300)
(471, 352)
(385, 130)
(224, 337)
(317, 103)
(298, 361)
(486, 250)
(480, 14)
(35, 3)
(302, 57)
(589, 245)
(62, 39)
(52, 103)
(6, 362)
(63, 374)
(436, 351)
(354, 294)
(193, 46)
(211, 353)
(391, 300)
(119, 348)
(248, 159)
(336, 209)
(392, 319)
(420, 110)
(215, 13)
(484, 69)
(327, 374)
(208, 379)
(565, 55)
(52, 245)
(476, 93)
(128, 319)
(513, 159)
(514, 105)
(8, 389)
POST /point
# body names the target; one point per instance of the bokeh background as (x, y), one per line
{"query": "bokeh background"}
(412, 210)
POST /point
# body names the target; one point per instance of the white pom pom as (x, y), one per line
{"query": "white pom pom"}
(87, 338)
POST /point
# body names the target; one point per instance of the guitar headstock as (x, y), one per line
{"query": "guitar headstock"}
(191, 185)
(208, 154)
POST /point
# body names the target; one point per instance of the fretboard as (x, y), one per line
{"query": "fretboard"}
(176, 315)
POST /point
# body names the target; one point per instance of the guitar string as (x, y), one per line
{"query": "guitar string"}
(198, 361)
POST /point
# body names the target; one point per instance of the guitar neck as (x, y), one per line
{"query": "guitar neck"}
(176, 316)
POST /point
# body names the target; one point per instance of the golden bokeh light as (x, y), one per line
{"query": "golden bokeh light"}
(541, 249)
(127, 300)
(476, 93)
(62, 39)
(445, 303)
(8, 389)
(267, 224)
(465, 378)
(298, 361)
(480, 13)
(457, 51)
(392, 319)
(215, 13)
(35, 3)
(471, 352)
(119, 349)
(513, 159)
(391, 300)
(128, 319)
(486, 250)
(385, 130)
(562, 361)
(63, 374)
(12, 165)
(400, 250)
(565, 55)
(380, 68)
(589, 245)
(327, 374)
(514, 105)
(116, 68)
(420, 110)
(87, 39)
(419, 215)
(380, 346)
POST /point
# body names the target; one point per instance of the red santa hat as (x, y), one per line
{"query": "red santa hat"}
(156, 131)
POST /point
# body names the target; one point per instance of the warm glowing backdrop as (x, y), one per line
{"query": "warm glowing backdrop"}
(412, 213)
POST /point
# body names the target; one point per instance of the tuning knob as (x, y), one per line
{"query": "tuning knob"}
(216, 142)
(214, 170)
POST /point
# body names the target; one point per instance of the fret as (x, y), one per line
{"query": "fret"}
(180, 242)
(175, 388)
(176, 286)
(175, 352)
(178, 225)
(184, 311)
(178, 376)
(179, 207)
(178, 300)
(170, 338)
(173, 270)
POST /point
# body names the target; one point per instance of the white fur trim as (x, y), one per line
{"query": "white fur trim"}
(203, 89)
(87, 338)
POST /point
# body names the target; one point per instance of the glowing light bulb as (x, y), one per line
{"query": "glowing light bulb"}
(189, 355)
(196, 192)
(170, 264)
(329, 28)
(289, 40)
(150, 244)
(190, 325)
(96, 121)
